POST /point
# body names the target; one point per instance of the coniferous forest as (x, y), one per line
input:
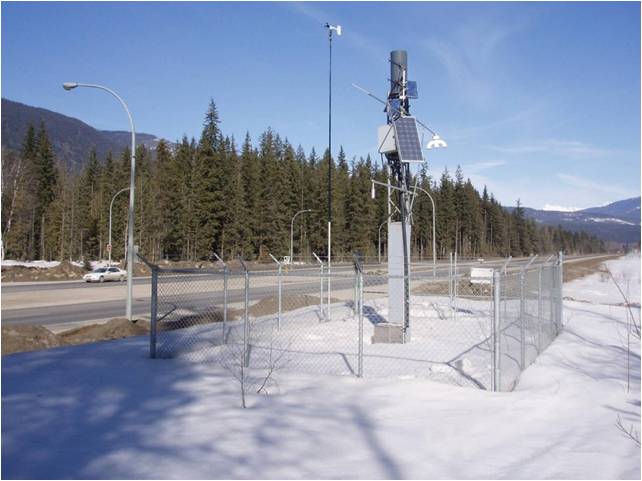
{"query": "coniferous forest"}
(195, 197)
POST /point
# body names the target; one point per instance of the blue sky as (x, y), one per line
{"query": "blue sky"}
(539, 101)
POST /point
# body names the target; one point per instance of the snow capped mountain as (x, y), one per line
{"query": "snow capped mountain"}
(618, 221)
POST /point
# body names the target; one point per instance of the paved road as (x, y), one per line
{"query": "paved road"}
(59, 314)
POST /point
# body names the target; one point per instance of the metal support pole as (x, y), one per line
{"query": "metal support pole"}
(246, 320)
(522, 323)
(560, 320)
(552, 295)
(356, 295)
(154, 313)
(327, 306)
(225, 277)
(278, 322)
(455, 282)
(246, 316)
(539, 310)
(132, 186)
(450, 279)
(292, 233)
(505, 266)
(280, 283)
(111, 205)
(320, 285)
(496, 333)
(360, 362)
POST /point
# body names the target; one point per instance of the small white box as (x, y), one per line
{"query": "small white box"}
(386, 139)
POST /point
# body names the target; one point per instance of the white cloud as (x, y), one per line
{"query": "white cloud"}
(603, 187)
(469, 56)
(561, 148)
(351, 36)
(521, 117)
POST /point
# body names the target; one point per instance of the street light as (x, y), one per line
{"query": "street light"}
(436, 142)
(110, 207)
(434, 253)
(130, 224)
(292, 233)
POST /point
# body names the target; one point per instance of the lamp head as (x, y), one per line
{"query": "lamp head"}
(69, 85)
(436, 142)
(373, 194)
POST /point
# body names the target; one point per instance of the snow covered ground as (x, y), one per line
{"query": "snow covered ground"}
(448, 344)
(107, 411)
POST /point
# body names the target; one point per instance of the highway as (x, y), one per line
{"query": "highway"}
(50, 303)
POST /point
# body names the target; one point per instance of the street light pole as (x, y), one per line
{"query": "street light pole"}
(110, 207)
(130, 223)
(434, 253)
(379, 245)
(292, 233)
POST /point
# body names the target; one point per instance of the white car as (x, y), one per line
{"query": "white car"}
(103, 274)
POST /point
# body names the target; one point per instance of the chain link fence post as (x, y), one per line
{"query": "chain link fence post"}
(539, 310)
(225, 276)
(355, 305)
(522, 322)
(154, 313)
(560, 306)
(280, 289)
(496, 354)
(450, 278)
(278, 322)
(246, 316)
(321, 311)
(360, 284)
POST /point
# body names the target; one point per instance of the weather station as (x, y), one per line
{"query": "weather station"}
(399, 143)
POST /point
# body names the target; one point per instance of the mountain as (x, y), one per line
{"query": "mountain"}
(71, 138)
(617, 222)
(627, 209)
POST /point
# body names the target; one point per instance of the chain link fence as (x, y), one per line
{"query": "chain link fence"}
(468, 326)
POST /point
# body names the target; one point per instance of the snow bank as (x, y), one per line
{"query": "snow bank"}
(600, 289)
(48, 264)
(106, 411)
(38, 264)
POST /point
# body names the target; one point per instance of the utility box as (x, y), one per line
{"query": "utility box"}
(387, 333)
(396, 284)
(386, 139)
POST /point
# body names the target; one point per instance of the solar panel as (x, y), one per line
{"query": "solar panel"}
(407, 138)
(411, 90)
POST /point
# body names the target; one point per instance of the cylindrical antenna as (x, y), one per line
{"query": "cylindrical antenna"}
(398, 65)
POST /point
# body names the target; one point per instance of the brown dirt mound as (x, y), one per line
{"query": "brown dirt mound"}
(118, 328)
(576, 270)
(35, 338)
(27, 338)
(63, 272)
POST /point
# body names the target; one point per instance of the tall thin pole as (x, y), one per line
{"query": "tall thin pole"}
(110, 207)
(329, 164)
(132, 186)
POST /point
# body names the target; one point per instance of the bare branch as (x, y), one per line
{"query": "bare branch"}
(630, 432)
